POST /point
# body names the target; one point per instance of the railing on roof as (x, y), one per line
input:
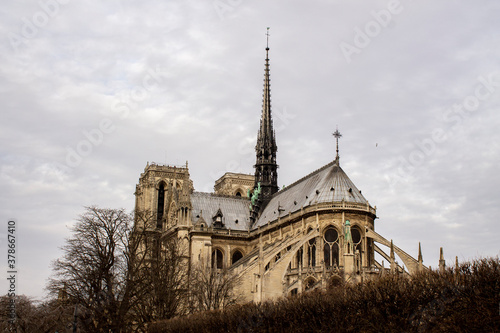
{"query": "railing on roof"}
(154, 165)
(330, 269)
(348, 205)
(314, 208)
(271, 224)
(227, 232)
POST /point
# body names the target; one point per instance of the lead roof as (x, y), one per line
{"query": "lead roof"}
(327, 184)
(235, 211)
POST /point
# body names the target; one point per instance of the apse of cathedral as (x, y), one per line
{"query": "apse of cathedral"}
(305, 236)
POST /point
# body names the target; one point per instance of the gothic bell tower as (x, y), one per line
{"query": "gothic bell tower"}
(265, 167)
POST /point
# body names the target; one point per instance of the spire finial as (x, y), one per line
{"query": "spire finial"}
(337, 136)
(267, 42)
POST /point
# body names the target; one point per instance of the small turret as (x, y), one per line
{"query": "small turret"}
(442, 263)
(420, 258)
(393, 259)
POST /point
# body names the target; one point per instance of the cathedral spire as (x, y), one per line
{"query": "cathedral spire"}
(266, 131)
(265, 166)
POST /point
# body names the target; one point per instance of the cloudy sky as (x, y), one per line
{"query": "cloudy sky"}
(92, 90)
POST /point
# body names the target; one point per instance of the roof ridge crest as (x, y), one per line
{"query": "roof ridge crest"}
(211, 194)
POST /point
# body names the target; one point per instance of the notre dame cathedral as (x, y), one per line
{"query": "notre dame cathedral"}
(279, 242)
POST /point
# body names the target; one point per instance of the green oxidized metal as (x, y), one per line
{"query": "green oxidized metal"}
(255, 195)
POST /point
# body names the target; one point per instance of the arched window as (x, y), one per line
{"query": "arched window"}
(238, 194)
(237, 255)
(217, 259)
(335, 281)
(299, 257)
(311, 253)
(356, 240)
(331, 248)
(309, 283)
(161, 205)
(356, 236)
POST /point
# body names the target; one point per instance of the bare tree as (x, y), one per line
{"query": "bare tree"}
(164, 276)
(34, 317)
(94, 270)
(212, 288)
(162, 272)
(121, 271)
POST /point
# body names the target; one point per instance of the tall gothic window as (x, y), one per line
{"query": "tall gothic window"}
(161, 205)
(356, 240)
(331, 248)
(311, 253)
(299, 257)
(217, 259)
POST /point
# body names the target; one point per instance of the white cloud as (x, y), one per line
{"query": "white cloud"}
(73, 71)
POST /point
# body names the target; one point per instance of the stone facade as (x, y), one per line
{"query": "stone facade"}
(234, 184)
(308, 235)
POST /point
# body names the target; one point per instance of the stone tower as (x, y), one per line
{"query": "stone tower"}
(265, 167)
(164, 192)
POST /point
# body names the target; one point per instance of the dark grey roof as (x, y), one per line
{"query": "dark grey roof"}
(327, 184)
(233, 209)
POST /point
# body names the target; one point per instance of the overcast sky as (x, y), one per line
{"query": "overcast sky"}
(90, 91)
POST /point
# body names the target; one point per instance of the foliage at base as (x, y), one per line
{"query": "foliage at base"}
(461, 299)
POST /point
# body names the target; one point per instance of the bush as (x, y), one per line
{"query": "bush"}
(461, 299)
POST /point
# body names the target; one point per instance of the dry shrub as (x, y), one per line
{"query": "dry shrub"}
(461, 299)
